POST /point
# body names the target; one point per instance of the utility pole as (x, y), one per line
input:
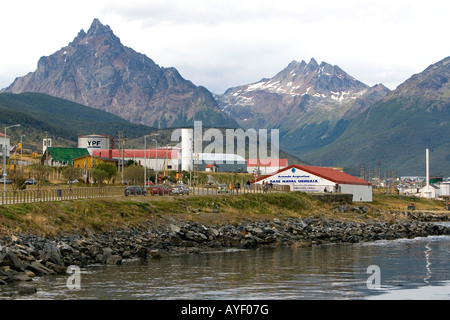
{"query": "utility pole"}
(394, 179)
(121, 135)
(156, 162)
(379, 170)
(21, 154)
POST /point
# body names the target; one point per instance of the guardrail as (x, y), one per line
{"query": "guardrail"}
(202, 190)
(58, 194)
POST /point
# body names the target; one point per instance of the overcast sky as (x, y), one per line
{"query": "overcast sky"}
(225, 43)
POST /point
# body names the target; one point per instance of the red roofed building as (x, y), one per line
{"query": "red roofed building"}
(211, 168)
(319, 179)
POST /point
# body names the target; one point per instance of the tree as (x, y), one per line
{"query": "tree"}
(18, 182)
(135, 174)
(71, 173)
(109, 168)
(40, 174)
(131, 162)
(99, 176)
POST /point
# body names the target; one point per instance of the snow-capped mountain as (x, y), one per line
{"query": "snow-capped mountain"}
(310, 103)
(302, 93)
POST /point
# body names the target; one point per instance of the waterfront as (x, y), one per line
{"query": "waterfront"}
(409, 269)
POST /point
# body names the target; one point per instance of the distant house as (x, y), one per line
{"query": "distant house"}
(430, 191)
(212, 168)
(62, 157)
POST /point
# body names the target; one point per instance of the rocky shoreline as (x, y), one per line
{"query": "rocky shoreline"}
(23, 257)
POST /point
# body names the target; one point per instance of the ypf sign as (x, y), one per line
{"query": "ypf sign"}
(94, 144)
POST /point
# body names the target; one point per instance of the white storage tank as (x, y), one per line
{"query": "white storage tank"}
(94, 141)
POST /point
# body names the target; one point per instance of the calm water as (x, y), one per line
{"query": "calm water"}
(409, 269)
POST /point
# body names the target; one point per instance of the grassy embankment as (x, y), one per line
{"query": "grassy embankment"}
(52, 218)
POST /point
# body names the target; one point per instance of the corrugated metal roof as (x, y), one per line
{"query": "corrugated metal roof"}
(138, 153)
(66, 154)
(323, 172)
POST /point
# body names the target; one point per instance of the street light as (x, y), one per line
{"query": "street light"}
(21, 152)
(4, 159)
(156, 159)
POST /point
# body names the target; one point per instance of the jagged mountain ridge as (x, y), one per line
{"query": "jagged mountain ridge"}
(304, 93)
(310, 103)
(96, 70)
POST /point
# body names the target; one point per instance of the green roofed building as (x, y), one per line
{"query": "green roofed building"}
(62, 157)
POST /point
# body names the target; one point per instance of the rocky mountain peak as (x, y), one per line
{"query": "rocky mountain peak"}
(302, 66)
(96, 70)
(313, 63)
(301, 95)
(300, 78)
(98, 36)
(98, 28)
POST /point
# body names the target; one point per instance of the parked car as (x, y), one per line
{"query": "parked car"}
(180, 189)
(135, 190)
(223, 188)
(2, 181)
(161, 189)
(30, 181)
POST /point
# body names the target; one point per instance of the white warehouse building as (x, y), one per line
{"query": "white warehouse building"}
(319, 179)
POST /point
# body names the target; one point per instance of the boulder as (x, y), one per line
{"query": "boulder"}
(10, 259)
(142, 252)
(51, 253)
(175, 228)
(39, 269)
(55, 267)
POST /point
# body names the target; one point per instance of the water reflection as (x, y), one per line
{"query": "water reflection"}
(326, 272)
